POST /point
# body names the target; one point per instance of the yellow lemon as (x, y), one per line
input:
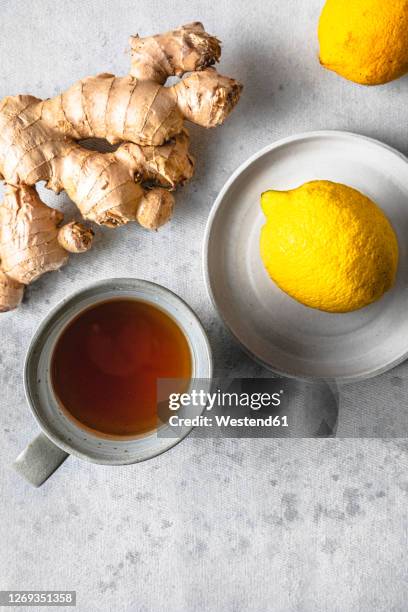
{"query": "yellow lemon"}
(365, 41)
(328, 246)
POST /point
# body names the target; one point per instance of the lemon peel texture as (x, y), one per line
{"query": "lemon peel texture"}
(328, 246)
(365, 41)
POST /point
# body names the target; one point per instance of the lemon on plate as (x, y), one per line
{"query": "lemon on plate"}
(328, 246)
(365, 41)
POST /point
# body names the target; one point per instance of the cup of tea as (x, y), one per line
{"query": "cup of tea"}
(91, 374)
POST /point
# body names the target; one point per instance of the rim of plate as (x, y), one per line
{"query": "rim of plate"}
(205, 248)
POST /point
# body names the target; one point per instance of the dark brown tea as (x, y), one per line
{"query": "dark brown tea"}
(107, 361)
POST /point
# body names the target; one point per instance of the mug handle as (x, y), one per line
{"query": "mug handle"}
(39, 460)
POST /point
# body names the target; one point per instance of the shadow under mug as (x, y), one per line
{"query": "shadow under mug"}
(60, 435)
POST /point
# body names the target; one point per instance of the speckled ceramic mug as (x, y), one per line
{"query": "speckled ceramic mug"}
(60, 435)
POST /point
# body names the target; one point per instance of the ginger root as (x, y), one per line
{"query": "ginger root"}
(11, 292)
(30, 242)
(75, 237)
(40, 140)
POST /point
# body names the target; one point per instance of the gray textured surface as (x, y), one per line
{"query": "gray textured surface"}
(256, 525)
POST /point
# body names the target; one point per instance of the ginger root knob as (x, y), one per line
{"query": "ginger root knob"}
(11, 292)
(155, 209)
(75, 237)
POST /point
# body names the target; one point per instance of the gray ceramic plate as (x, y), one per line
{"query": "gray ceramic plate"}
(282, 334)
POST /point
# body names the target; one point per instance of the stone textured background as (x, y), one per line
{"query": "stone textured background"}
(234, 525)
